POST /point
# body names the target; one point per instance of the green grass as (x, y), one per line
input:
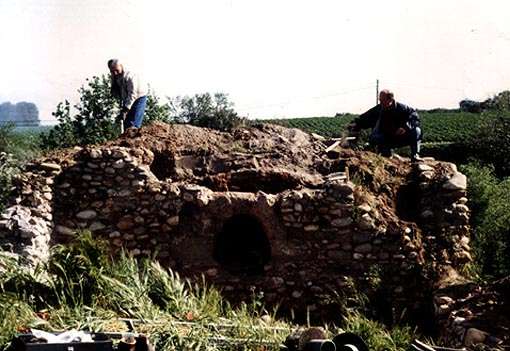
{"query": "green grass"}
(82, 288)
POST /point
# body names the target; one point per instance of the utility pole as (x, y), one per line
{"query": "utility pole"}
(377, 91)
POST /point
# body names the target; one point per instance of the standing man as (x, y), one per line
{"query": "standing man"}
(393, 125)
(131, 92)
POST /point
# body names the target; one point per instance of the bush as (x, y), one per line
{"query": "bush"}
(8, 169)
(95, 118)
(491, 145)
(490, 199)
(206, 110)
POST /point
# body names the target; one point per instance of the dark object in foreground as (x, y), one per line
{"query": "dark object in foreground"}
(28, 342)
(314, 339)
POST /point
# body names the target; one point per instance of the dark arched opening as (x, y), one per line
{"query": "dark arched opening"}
(242, 246)
(163, 165)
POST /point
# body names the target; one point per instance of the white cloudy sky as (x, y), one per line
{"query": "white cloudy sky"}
(276, 58)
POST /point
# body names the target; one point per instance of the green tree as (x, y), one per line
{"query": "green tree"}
(95, 118)
(491, 145)
(499, 102)
(206, 110)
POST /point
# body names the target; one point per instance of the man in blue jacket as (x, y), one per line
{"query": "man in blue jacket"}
(393, 125)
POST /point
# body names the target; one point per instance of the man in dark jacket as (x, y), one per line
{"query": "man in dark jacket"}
(393, 125)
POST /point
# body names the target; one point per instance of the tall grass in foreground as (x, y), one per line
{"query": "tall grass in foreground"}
(82, 288)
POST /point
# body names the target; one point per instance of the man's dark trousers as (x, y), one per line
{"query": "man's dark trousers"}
(134, 117)
(385, 143)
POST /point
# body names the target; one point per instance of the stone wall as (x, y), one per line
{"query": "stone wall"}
(293, 247)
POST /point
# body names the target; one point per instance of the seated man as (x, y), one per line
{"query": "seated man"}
(393, 125)
(131, 93)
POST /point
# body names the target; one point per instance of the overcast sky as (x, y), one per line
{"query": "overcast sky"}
(275, 58)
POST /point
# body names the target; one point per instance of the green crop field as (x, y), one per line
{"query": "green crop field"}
(438, 127)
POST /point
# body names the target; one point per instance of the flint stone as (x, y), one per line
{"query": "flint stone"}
(96, 226)
(463, 200)
(311, 228)
(86, 215)
(64, 230)
(341, 222)
(118, 153)
(297, 294)
(366, 222)
(365, 207)
(474, 336)
(457, 182)
(427, 214)
(173, 220)
(48, 166)
(363, 248)
(113, 235)
(339, 255)
(212, 272)
(136, 252)
(424, 167)
(361, 237)
(461, 208)
(441, 300)
(119, 164)
(95, 153)
(125, 223)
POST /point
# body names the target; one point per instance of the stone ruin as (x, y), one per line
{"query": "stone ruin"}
(261, 210)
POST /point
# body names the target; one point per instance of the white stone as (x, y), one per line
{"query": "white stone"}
(424, 168)
(457, 182)
(365, 207)
(461, 208)
(48, 166)
(462, 200)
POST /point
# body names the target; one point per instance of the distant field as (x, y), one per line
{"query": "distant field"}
(438, 127)
(32, 130)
